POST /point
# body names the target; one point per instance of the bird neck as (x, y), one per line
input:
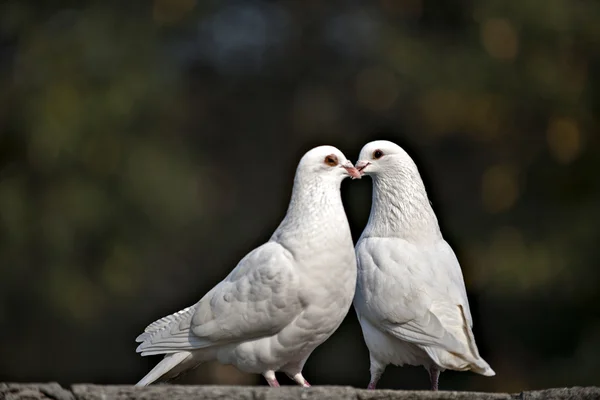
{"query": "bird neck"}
(401, 208)
(315, 217)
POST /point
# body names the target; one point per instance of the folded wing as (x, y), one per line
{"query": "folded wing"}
(428, 305)
(257, 299)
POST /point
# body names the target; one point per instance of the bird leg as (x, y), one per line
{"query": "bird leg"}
(273, 382)
(300, 380)
(434, 377)
(376, 372)
(271, 379)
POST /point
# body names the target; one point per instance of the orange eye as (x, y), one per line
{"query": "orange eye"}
(377, 154)
(331, 160)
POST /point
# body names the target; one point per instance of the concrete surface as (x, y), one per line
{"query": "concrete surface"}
(46, 391)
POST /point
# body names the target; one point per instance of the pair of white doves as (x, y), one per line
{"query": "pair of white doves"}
(289, 295)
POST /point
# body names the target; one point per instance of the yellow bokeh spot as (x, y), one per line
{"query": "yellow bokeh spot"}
(441, 110)
(499, 188)
(564, 139)
(171, 11)
(483, 116)
(56, 123)
(376, 88)
(500, 39)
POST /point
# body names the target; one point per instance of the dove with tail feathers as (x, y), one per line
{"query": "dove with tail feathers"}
(410, 296)
(283, 299)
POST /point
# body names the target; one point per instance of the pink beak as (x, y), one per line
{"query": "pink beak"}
(360, 165)
(354, 174)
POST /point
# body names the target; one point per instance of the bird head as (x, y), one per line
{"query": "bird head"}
(379, 156)
(328, 162)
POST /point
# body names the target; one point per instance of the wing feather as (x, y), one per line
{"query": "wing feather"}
(429, 306)
(257, 299)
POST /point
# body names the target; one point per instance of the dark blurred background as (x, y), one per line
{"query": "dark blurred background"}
(146, 146)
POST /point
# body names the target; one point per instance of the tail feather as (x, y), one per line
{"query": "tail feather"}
(482, 368)
(458, 362)
(166, 365)
(478, 365)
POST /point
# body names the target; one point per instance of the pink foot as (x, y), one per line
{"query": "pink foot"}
(299, 379)
(372, 385)
(273, 382)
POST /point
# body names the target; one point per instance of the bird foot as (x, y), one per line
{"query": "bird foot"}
(271, 379)
(299, 379)
(273, 382)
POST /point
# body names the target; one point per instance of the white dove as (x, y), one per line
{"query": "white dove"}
(283, 299)
(410, 295)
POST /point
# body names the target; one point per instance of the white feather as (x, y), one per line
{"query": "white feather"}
(411, 298)
(163, 367)
(282, 300)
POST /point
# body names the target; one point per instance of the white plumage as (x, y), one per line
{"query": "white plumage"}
(283, 299)
(410, 297)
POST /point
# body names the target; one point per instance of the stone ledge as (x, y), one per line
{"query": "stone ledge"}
(53, 391)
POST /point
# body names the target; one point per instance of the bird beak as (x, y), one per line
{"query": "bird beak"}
(361, 165)
(353, 172)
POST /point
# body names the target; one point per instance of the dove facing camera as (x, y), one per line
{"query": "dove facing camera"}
(417, 311)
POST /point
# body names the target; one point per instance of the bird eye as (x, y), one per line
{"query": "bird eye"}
(331, 160)
(377, 154)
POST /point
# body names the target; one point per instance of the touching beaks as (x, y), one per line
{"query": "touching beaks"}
(353, 172)
(361, 165)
